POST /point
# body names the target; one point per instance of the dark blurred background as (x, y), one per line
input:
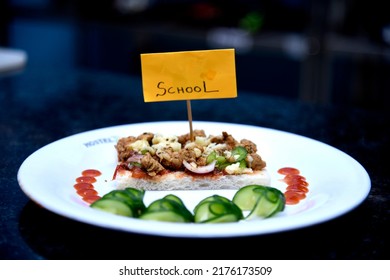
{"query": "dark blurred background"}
(328, 52)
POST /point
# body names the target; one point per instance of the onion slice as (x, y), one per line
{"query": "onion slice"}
(135, 158)
(200, 169)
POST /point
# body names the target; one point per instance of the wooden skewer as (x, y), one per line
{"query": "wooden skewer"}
(189, 114)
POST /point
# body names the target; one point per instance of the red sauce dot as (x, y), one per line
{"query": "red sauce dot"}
(298, 194)
(91, 198)
(298, 187)
(86, 179)
(91, 173)
(295, 180)
(291, 199)
(83, 186)
(295, 177)
(87, 192)
(288, 170)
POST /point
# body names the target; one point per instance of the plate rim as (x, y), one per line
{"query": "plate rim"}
(201, 231)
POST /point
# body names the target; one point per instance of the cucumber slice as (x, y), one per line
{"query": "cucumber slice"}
(213, 198)
(161, 205)
(261, 201)
(182, 208)
(265, 208)
(228, 218)
(166, 204)
(132, 197)
(216, 209)
(135, 193)
(163, 216)
(174, 198)
(170, 203)
(202, 213)
(245, 198)
(113, 206)
(120, 195)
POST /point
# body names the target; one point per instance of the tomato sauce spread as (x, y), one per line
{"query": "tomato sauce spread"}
(139, 173)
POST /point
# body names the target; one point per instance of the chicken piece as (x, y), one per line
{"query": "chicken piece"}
(257, 163)
(183, 139)
(122, 147)
(148, 136)
(229, 140)
(151, 165)
(170, 159)
(249, 146)
(188, 155)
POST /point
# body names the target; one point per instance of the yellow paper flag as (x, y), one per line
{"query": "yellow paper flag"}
(189, 75)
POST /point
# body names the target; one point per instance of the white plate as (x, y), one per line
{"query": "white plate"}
(337, 182)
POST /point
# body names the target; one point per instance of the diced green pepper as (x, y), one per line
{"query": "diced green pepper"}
(239, 153)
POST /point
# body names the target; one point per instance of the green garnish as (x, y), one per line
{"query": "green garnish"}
(260, 201)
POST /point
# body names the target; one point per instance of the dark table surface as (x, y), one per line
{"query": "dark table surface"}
(39, 106)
